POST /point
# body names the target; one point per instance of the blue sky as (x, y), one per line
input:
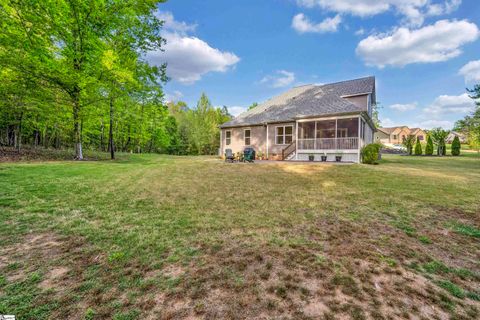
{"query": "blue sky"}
(422, 52)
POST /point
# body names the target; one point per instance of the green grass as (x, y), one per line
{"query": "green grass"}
(165, 236)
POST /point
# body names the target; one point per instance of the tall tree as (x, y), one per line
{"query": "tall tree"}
(61, 42)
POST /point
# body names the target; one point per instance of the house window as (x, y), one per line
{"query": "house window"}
(420, 138)
(284, 135)
(228, 137)
(395, 137)
(246, 136)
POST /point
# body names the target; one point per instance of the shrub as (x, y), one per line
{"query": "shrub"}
(370, 153)
(429, 147)
(456, 146)
(418, 148)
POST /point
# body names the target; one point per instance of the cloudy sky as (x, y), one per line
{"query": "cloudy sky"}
(424, 53)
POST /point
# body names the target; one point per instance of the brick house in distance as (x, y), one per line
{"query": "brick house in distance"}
(395, 135)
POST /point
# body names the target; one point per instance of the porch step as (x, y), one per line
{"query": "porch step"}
(291, 156)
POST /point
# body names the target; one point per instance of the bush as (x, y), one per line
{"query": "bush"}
(370, 153)
(456, 146)
(429, 147)
(418, 148)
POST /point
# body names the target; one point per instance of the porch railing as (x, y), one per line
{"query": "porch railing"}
(328, 144)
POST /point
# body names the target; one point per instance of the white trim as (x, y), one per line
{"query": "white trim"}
(226, 137)
(221, 144)
(355, 95)
(267, 142)
(250, 137)
(328, 118)
(296, 139)
(284, 135)
(360, 139)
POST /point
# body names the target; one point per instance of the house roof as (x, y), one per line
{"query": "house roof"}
(392, 129)
(308, 101)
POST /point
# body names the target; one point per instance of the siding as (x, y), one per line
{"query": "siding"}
(275, 150)
(359, 101)
(258, 136)
(258, 140)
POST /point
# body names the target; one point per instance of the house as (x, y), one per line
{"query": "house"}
(395, 135)
(331, 119)
(461, 136)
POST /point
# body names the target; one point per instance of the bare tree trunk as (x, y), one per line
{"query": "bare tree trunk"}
(110, 133)
(77, 130)
(18, 133)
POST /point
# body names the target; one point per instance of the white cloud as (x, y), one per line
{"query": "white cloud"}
(413, 11)
(424, 124)
(404, 107)
(471, 71)
(188, 58)
(360, 32)
(303, 25)
(281, 79)
(438, 42)
(236, 110)
(446, 105)
(170, 24)
(174, 96)
(430, 124)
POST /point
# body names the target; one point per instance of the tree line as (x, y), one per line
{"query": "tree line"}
(74, 76)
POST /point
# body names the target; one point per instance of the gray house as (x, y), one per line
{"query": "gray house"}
(331, 119)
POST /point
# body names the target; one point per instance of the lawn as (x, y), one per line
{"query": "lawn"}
(163, 237)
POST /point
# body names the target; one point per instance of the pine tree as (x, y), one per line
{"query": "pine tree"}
(418, 148)
(456, 146)
(429, 147)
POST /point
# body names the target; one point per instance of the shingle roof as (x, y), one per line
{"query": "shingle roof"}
(307, 101)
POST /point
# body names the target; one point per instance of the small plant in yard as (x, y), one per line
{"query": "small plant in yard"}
(438, 136)
(467, 230)
(429, 147)
(408, 143)
(456, 146)
(370, 153)
(452, 288)
(418, 148)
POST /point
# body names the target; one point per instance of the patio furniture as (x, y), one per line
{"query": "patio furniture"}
(229, 156)
(248, 155)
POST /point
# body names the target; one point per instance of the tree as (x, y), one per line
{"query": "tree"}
(429, 146)
(408, 142)
(65, 41)
(418, 148)
(438, 136)
(375, 114)
(470, 125)
(253, 105)
(456, 146)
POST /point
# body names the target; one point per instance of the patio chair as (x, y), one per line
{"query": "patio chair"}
(229, 156)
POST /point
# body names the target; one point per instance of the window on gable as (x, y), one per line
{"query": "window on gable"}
(246, 135)
(228, 137)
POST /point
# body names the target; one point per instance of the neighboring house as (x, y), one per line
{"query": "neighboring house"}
(395, 135)
(461, 136)
(307, 120)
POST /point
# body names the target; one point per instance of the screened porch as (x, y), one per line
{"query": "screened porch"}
(332, 134)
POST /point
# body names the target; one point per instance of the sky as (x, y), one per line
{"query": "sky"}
(423, 53)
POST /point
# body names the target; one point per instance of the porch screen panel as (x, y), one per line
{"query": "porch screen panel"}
(325, 134)
(347, 133)
(347, 128)
(306, 135)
